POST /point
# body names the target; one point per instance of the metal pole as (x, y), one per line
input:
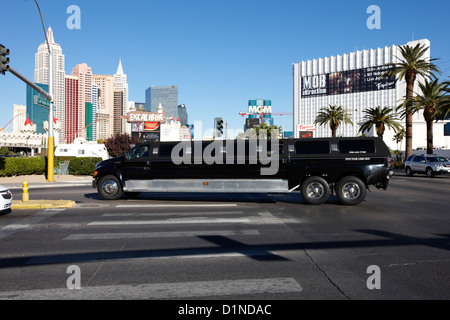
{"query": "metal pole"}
(51, 139)
(46, 95)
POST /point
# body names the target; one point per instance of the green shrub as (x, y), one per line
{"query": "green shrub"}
(83, 166)
(22, 166)
(398, 165)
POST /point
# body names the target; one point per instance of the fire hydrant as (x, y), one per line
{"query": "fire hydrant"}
(25, 195)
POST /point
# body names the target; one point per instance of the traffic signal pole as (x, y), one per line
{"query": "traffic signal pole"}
(39, 90)
(47, 96)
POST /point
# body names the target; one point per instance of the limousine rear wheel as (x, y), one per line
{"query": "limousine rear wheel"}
(315, 190)
(351, 190)
(109, 188)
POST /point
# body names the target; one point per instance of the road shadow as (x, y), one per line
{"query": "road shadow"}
(224, 245)
(294, 198)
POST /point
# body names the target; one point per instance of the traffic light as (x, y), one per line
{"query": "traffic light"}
(4, 60)
(218, 127)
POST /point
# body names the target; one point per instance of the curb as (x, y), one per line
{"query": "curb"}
(45, 186)
(42, 204)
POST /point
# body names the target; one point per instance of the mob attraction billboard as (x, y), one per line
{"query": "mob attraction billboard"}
(351, 81)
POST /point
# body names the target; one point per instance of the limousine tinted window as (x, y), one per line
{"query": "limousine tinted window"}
(357, 146)
(165, 151)
(312, 147)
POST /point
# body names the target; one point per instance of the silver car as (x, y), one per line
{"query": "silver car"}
(430, 165)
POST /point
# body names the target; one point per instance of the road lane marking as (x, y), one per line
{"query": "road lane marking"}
(169, 221)
(16, 226)
(194, 289)
(175, 205)
(34, 219)
(174, 234)
(154, 214)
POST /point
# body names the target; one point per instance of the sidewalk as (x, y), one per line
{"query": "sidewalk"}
(39, 181)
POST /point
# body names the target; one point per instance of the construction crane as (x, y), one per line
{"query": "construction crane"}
(262, 114)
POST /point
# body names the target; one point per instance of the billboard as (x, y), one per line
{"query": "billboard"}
(251, 123)
(260, 106)
(351, 81)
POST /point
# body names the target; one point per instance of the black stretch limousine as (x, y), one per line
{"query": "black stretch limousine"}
(315, 167)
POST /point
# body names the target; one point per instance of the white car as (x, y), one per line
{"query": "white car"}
(6, 198)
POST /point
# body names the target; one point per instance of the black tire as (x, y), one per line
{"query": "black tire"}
(315, 190)
(110, 188)
(351, 191)
(408, 171)
(429, 172)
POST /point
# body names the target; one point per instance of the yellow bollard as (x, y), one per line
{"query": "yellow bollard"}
(25, 195)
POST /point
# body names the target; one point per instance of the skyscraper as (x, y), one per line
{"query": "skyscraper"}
(182, 114)
(105, 105)
(84, 75)
(71, 117)
(36, 113)
(42, 75)
(167, 96)
(121, 85)
(91, 118)
(118, 111)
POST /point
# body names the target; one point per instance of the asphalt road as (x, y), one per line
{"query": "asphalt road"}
(394, 245)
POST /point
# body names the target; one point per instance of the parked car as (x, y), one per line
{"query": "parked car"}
(430, 165)
(6, 198)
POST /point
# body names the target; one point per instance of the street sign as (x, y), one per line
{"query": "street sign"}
(42, 102)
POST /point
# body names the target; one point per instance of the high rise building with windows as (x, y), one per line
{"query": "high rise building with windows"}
(105, 105)
(42, 75)
(167, 96)
(71, 112)
(355, 82)
(84, 75)
(121, 85)
(91, 117)
(118, 111)
(183, 115)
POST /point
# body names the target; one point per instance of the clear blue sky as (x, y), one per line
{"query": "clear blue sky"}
(220, 54)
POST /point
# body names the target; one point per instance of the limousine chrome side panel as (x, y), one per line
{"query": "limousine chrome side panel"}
(208, 185)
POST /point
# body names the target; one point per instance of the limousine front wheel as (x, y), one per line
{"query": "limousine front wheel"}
(315, 190)
(109, 188)
(350, 190)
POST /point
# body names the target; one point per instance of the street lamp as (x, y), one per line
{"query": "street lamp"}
(51, 138)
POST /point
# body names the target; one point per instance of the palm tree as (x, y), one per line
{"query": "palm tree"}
(266, 130)
(408, 67)
(398, 138)
(443, 111)
(432, 101)
(381, 118)
(334, 116)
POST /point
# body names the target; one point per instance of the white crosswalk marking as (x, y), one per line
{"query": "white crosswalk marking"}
(162, 290)
(176, 205)
(169, 221)
(170, 234)
(18, 224)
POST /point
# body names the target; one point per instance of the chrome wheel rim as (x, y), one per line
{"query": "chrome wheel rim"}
(110, 187)
(351, 191)
(315, 191)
